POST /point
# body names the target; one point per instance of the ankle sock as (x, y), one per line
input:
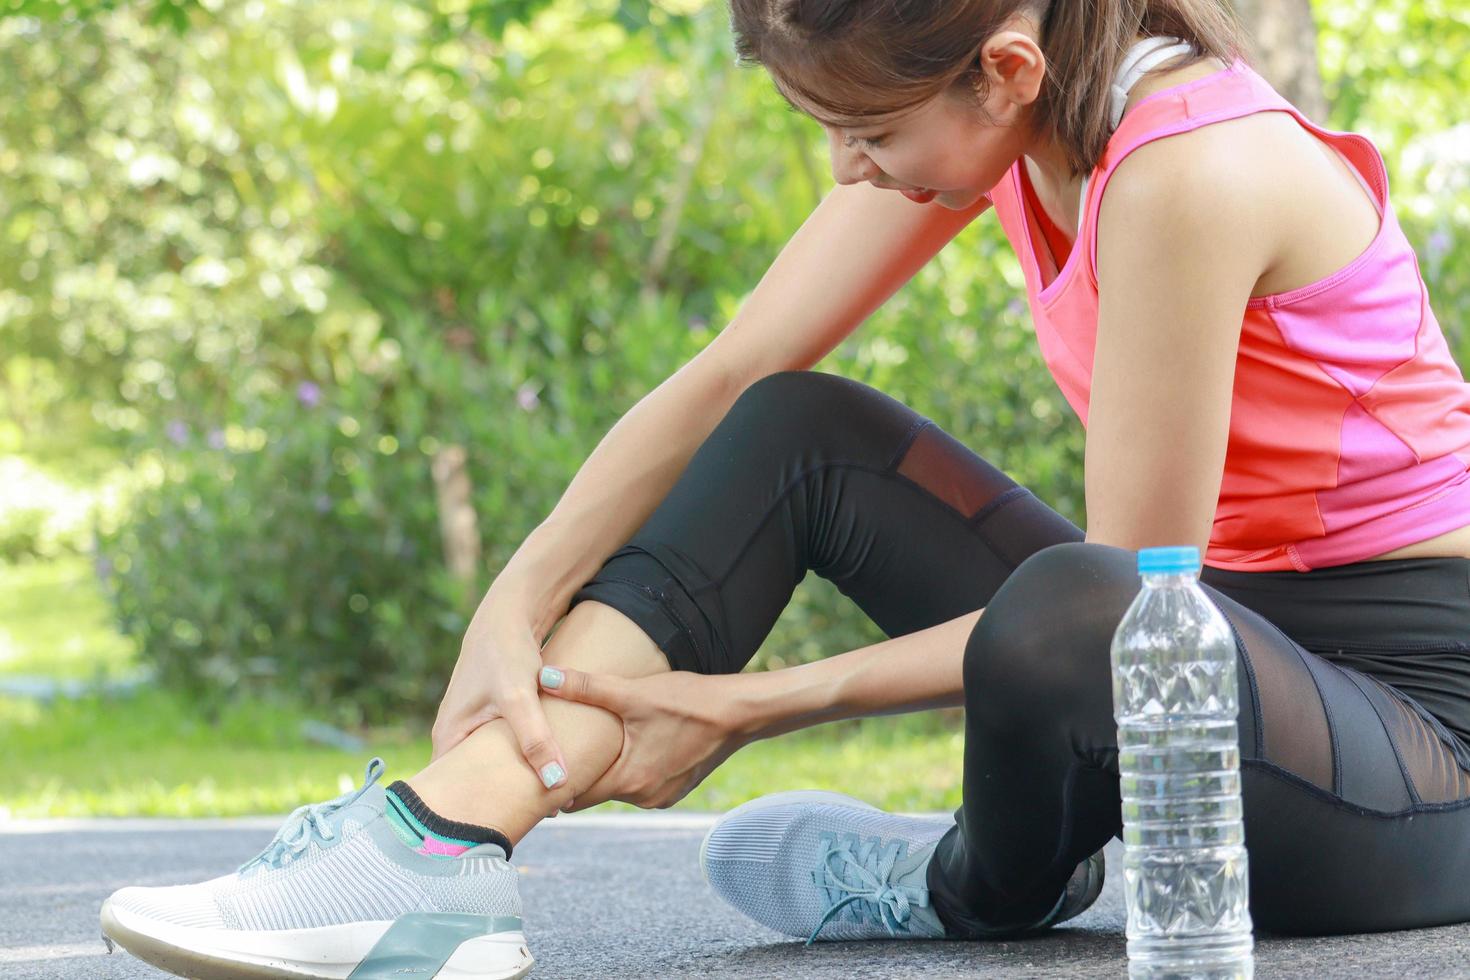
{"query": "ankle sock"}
(426, 832)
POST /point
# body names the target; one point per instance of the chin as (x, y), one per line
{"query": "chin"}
(960, 200)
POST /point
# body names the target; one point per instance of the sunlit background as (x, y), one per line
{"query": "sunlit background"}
(272, 269)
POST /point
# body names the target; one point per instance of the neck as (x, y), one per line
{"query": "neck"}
(1047, 156)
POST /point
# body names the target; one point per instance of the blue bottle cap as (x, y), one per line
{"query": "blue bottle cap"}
(1184, 558)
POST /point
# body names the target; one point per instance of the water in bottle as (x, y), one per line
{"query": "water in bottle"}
(1174, 698)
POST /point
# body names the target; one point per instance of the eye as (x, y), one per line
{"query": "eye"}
(869, 142)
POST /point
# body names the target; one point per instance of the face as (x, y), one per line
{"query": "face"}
(947, 144)
(943, 145)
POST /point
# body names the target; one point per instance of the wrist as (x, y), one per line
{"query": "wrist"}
(503, 616)
(537, 582)
(747, 710)
(513, 597)
(773, 702)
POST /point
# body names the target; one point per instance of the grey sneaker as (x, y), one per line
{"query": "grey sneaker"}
(336, 894)
(811, 862)
(1081, 891)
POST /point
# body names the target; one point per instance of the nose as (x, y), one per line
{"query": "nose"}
(850, 165)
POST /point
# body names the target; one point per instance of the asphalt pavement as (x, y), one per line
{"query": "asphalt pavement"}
(617, 895)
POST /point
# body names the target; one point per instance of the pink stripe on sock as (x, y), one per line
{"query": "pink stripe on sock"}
(435, 846)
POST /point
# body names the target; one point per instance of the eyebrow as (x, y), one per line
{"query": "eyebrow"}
(793, 107)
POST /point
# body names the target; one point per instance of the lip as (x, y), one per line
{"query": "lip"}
(919, 196)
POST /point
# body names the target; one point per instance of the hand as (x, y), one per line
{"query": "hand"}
(675, 732)
(495, 677)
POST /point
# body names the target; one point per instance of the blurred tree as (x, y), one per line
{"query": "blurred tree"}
(294, 256)
(1284, 48)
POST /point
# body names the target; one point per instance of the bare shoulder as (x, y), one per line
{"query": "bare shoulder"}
(1243, 153)
(1212, 176)
(1265, 176)
(1260, 179)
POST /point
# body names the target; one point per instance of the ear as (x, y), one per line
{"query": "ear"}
(1014, 68)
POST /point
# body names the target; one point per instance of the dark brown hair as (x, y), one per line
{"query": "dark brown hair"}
(856, 60)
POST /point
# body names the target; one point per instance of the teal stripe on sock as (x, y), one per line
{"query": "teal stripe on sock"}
(403, 830)
(405, 814)
(397, 806)
(417, 825)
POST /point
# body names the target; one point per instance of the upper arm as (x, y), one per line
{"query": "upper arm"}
(854, 251)
(1182, 240)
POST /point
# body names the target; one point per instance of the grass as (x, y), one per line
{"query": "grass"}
(53, 622)
(145, 754)
(151, 753)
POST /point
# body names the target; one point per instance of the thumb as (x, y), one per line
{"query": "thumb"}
(604, 690)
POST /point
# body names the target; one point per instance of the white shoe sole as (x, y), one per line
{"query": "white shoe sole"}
(327, 952)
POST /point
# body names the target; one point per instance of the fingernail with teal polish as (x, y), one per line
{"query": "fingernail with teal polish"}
(552, 773)
(550, 677)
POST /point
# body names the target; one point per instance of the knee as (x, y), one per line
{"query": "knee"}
(777, 406)
(783, 397)
(817, 416)
(1047, 633)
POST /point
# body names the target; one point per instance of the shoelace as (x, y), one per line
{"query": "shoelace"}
(310, 819)
(885, 901)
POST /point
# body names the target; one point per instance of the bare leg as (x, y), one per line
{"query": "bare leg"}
(485, 780)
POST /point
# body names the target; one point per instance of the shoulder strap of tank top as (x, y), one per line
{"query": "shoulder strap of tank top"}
(1232, 93)
(1143, 57)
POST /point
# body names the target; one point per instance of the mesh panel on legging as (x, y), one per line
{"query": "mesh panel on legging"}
(975, 488)
(1330, 608)
(1041, 776)
(812, 471)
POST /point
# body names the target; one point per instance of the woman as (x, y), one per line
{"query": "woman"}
(1240, 324)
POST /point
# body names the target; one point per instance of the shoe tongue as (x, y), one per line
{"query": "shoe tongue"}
(912, 872)
(366, 807)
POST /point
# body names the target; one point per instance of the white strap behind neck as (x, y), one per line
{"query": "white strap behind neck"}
(1140, 59)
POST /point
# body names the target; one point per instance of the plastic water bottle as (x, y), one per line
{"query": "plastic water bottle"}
(1174, 697)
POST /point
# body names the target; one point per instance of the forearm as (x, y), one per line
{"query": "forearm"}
(626, 476)
(914, 672)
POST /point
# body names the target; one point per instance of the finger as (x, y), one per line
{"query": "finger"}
(441, 734)
(438, 747)
(533, 734)
(446, 739)
(449, 734)
(603, 690)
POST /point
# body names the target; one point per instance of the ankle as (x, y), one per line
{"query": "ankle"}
(428, 832)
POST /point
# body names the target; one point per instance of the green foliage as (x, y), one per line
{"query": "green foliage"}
(55, 624)
(282, 259)
(1398, 72)
(175, 14)
(169, 754)
(446, 19)
(22, 533)
(166, 758)
(42, 516)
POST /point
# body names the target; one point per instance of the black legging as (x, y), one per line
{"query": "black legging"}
(1356, 795)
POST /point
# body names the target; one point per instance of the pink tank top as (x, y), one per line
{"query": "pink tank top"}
(1350, 420)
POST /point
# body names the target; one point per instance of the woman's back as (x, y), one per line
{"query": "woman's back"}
(1350, 423)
